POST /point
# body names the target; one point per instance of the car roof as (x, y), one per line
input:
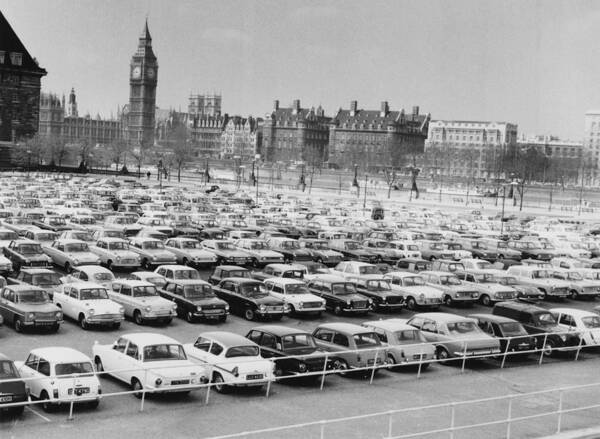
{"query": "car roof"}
(527, 307)
(573, 311)
(37, 270)
(349, 328)
(439, 273)
(279, 330)
(442, 317)
(227, 338)
(107, 238)
(285, 281)
(230, 267)
(84, 285)
(149, 338)
(402, 274)
(492, 318)
(389, 324)
(330, 278)
(176, 267)
(284, 266)
(93, 269)
(59, 354)
(70, 241)
(187, 281)
(134, 282)
(27, 287)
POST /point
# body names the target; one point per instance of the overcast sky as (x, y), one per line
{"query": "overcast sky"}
(534, 63)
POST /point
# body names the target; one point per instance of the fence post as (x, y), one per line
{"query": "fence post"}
(374, 366)
(543, 347)
(560, 408)
(509, 417)
(324, 370)
(505, 352)
(70, 418)
(452, 419)
(462, 369)
(208, 387)
(390, 421)
(579, 347)
(322, 429)
(268, 388)
(420, 364)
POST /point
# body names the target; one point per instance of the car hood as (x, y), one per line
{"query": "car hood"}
(83, 256)
(199, 253)
(303, 298)
(267, 301)
(266, 253)
(40, 307)
(423, 289)
(155, 301)
(164, 254)
(208, 302)
(105, 306)
(36, 257)
(233, 253)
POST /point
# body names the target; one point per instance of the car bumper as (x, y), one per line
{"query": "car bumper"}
(41, 323)
(210, 315)
(202, 263)
(308, 310)
(176, 387)
(391, 305)
(105, 320)
(356, 310)
(476, 352)
(157, 317)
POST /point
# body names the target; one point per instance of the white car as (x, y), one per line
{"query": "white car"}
(142, 301)
(490, 290)
(90, 273)
(148, 276)
(149, 361)
(89, 304)
(60, 375)
(354, 269)
(295, 294)
(587, 322)
(260, 252)
(177, 272)
(414, 289)
(231, 359)
(189, 251)
(407, 249)
(579, 287)
(476, 264)
(115, 252)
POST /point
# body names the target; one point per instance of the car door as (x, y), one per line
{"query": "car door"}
(29, 371)
(62, 300)
(113, 360)
(125, 298)
(130, 364)
(8, 306)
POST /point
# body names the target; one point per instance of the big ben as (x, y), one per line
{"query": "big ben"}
(143, 77)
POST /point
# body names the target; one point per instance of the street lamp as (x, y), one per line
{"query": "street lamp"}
(355, 181)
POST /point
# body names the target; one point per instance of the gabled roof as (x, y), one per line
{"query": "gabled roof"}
(10, 42)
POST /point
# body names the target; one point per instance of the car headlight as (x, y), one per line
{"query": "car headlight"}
(148, 309)
(422, 296)
(91, 311)
(262, 308)
(121, 310)
(58, 315)
(158, 381)
(30, 316)
(174, 307)
(226, 307)
(302, 367)
(198, 308)
(154, 258)
(286, 307)
(323, 303)
(76, 261)
(563, 337)
(118, 258)
(474, 294)
(235, 371)
(348, 303)
(300, 305)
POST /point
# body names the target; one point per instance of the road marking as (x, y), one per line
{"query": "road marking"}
(39, 414)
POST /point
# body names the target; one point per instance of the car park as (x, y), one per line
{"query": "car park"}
(25, 306)
(24, 253)
(189, 251)
(142, 302)
(60, 375)
(149, 362)
(115, 253)
(296, 295)
(414, 290)
(514, 338)
(247, 297)
(340, 295)
(195, 300)
(231, 360)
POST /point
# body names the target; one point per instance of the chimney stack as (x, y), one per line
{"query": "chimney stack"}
(384, 109)
(353, 108)
(275, 105)
(415, 110)
(296, 106)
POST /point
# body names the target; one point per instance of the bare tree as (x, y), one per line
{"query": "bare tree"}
(117, 149)
(182, 149)
(391, 177)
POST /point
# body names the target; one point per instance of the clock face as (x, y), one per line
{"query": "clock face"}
(137, 72)
(150, 72)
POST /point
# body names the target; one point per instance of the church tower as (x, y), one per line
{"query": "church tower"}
(143, 74)
(72, 107)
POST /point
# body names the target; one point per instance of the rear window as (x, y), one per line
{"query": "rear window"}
(366, 339)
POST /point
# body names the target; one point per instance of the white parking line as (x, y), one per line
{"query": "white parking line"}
(39, 414)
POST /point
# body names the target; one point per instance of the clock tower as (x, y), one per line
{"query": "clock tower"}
(143, 73)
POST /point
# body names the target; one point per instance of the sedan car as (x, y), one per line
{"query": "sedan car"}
(224, 271)
(195, 300)
(226, 252)
(150, 362)
(26, 306)
(115, 253)
(90, 273)
(12, 389)
(514, 338)
(47, 280)
(248, 298)
(231, 360)
(69, 253)
(296, 295)
(340, 295)
(142, 302)
(378, 288)
(259, 251)
(25, 253)
(454, 290)
(413, 288)
(189, 251)
(587, 323)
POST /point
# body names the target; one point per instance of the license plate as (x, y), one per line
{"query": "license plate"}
(211, 316)
(254, 377)
(418, 357)
(6, 398)
(82, 390)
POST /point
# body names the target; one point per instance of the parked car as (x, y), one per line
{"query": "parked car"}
(290, 271)
(195, 300)
(579, 287)
(54, 223)
(89, 304)
(69, 253)
(454, 336)
(152, 252)
(490, 291)
(454, 290)
(115, 253)
(231, 360)
(44, 237)
(226, 252)
(293, 351)
(353, 346)
(449, 266)
(540, 278)
(60, 375)
(12, 389)
(295, 294)
(290, 249)
(413, 265)
(321, 251)
(150, 362)
(225, 271)
(47, 280)
(413, 287)
(177, 272)
(246, 297)
(189, 251)
(259, 250)
(527, 292)
(531, 250)
(586, 323)
(142, 302)
(378, 288)
(540, 323)
(405, 344)
(25, 306)
(432, 250)
(354, 269)
(514, 338)
(354, 251)
(25, 253)
(340, 295)
(148, 276)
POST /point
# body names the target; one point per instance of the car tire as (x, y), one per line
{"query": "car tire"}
(549, 347)
(337, 310)
(255, 263)
(47, 406)
(448, 300)
(68, 268)
(54, 328)
(443, 355)
(219, 383)
(485, 300)
(411, 304)
(109, 264)
(146, 265)
(137, 387)
(341, 366)
(391, 361)
(222, 319)
(18, 325)
(116, 326)
(500, 257)
(574, 295)
(189, 317)
(292, 310)
(99, 365)
(319, 260)
(83, 323)
(185, 261)
(137, 317)
(249, 314)
(545, 294)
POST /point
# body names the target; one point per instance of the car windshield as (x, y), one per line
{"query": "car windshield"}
(242, 351)
(462, 327)
(238, 273)
(573, 275)
(93, 294)
(512, 328)
(594, 275)
(30, 249)
(531, 245)
(252, 290)
(153, 245)
(352, 245)
(144, 291)
(45, 279)
(298, 288)
(540, 274)
(449, 280)
(113, 234)
(412, 247)
(378, 285)
(118, 246)
(186, 274)
(366, 339)
(57, 222)
(82, 236)
(7, 370)
(343, 289)
(506, 280)
(412, 281)
(290, 245)
(368, 269)
(76, 248)
(436, 246)
(164, 352)
(546, 319)
(33, 296)
(297, 341)
(320, 245)
(485, 278)
(199, 291)
(225, 246)
(190, 244)
(591, 321)
(293, 274)
(258, 245)
(82, 368)
(8, 236)
(409, 336)
(454, 246)
(44, 237)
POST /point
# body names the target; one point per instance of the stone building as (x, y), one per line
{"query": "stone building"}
(239, 138)
(565, 156)
(20, 83)
(295, 134)
(375, 139)
(205, 134)
(205, 105)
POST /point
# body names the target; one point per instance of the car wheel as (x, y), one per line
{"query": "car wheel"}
(146, 265)
(68, 268)
(189, 317)
(167, 321)
(448, 301)
(337, 310)
(249, 314)
(55, 327)
(574, 295)
(47, 406)
(500, 257)
(222, 319)
(320, 260)
(185, 261)
(549, 348)
(99, 365)
(341, 366)
(375, 307)
(292, 310)
(443, 355)
(109, 264)
(82, 322)
(378, 260)
(391, 361)
(219, 383)
(18, 325)
(255, 263)
(432, 258)
(411, 304)
(137, 317)
(545, 294)
(136, 386)
(485, 300)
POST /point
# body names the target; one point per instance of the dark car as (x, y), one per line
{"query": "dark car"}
(379, 290)
(414, 265)
(514, 338)
(224, 271)
(12, 389)
(531, 250)
(247, 297)
(299, 347)
(340, 295)
(211, 233)
(195, 300)
(26, 306)
(25, 253)
(321, 252)
(539, 322)
(354, 251)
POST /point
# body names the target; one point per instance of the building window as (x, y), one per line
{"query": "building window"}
(16, 58)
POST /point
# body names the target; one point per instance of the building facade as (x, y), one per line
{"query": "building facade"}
(205, 105)
(295, 134)
(143, 78)
(375, 139)
(468, 148)
(205, 134)
(565, 157)
(591, 143)
(239, 138)
(20, 83)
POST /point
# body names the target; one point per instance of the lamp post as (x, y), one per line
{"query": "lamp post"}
(355, 181)
(160, 173)
(257, 160)
(28, 161)
(365, 198)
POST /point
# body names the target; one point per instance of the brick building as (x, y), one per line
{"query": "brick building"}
(20, 83)
(239, 138)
